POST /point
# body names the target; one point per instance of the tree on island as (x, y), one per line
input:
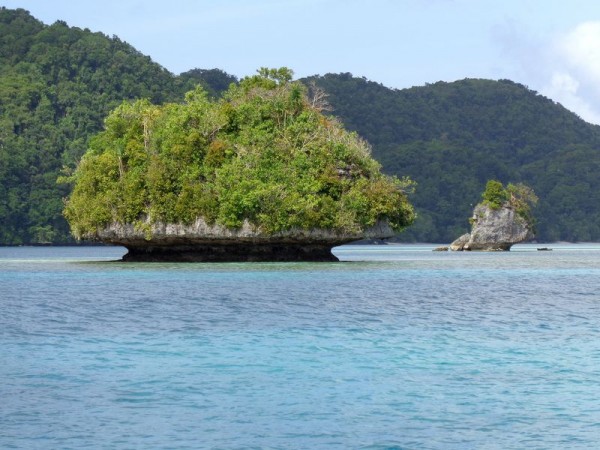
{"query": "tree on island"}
(262, 156)
(518, 196)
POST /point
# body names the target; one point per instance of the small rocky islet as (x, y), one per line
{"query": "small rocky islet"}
(493, 230)
(501, 220)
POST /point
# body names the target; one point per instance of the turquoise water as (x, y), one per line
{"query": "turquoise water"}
(398, 347)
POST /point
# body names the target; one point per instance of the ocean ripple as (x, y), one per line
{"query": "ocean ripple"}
(396, 348)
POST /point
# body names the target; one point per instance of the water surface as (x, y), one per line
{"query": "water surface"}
(396, 347)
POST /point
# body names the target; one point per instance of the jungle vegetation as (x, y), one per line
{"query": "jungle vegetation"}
(263, 154)
(59, 83)
(450, 138)
(518, 196)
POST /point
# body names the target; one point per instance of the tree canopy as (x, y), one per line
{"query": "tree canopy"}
(450, 138)
(518, 196)
(262, 154)
(57, 83)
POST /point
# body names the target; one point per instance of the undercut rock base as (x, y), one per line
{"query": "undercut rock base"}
(202, 242)
(231, 253)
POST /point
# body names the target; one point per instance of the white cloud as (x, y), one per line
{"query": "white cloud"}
(563, 82)
(565, 89)
(581, 49)
(575, 71)
(564, 67)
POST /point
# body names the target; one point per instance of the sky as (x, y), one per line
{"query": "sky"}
(551, 46)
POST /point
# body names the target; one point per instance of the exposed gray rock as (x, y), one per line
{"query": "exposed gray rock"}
(201, 241)
(460, 243)
(494, 230)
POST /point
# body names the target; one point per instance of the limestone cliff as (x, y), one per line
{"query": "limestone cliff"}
(201, 242)
(494, 229)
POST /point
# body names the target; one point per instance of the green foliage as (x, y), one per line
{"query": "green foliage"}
(518, 196)
(56, 86)
(523, 199)
(261, 155)
(281, 75)
(453, 137)
(213, 81)
(494, 195)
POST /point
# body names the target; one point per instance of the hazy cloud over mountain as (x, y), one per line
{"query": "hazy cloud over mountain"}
(575, 79)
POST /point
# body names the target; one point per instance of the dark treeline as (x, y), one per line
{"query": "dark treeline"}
(452, 137)
(57, 83)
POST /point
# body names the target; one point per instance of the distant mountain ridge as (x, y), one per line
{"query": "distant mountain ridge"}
(453, 137)
(57, 83)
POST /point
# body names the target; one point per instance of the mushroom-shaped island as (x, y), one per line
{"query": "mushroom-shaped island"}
(260, 174)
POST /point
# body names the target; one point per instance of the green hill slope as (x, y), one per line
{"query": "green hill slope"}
(57, 83)
(452, 137)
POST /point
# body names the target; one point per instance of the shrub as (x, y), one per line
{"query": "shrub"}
(264, 154)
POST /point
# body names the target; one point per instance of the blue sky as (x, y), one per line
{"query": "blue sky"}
(552, 46)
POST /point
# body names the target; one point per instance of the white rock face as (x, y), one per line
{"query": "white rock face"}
(202, 232)
(460, 243)
(494, 229)
(200, 241)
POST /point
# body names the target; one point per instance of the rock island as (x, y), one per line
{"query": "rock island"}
(261, 174)
(501, 220)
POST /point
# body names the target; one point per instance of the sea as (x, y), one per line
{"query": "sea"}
(394, 347)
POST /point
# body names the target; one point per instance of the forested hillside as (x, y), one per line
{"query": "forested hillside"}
(453, 137)
(57, 83)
